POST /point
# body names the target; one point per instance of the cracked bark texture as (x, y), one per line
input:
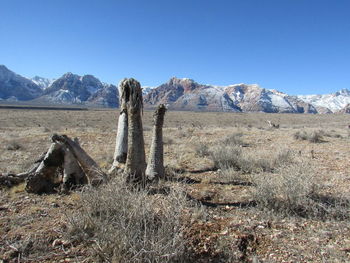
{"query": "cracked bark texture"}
(155, 166)
(135, 162)
(121, 145)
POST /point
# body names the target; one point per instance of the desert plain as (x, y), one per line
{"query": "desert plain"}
(258, 193)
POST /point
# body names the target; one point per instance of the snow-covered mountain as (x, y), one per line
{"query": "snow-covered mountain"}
(14, 87)
(186, 94)
(75, 89)
(69, 89)
(146, 90)
(43, 83)
(178, 94)
(334, 102)
(108, 96)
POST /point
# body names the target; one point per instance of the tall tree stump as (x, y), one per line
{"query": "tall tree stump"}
(135, 162)
(121, 145)
(155, 166)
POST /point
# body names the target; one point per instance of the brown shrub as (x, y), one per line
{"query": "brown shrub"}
(129, 225)
(295, 191)
(226, 157)
(314, 137)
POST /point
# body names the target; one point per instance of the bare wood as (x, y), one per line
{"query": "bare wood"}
(121, 146)
(155, 166)
(93, 172)
(52, 159)
(12, 179)
(45, 177)
(73, 174)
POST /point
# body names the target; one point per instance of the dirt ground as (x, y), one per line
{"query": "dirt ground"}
(32, 227)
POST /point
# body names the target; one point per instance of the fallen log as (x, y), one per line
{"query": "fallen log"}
(10, 179)
(65, 164)
(94, 174)
(47, 176)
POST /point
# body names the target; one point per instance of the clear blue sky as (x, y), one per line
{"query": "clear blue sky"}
(295, 46)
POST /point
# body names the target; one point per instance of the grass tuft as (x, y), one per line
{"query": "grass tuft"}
(13, 146)
(313, 137)
(295, 191)
(129, 225)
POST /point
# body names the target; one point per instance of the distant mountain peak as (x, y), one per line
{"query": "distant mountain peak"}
(334, 102)
(146, 90)
(177, 93)
(344, 91)
(43, 83)
(74, 89)
(175, 81)
(3, 67)
(186, 94)
(68, 75)
(15, 87)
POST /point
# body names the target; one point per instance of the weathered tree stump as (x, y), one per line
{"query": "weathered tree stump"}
(121, 146)
(155, 166)
(135, 162)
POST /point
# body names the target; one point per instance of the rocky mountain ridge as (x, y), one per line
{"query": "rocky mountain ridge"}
(66, 90)
(334, 102)
(177, 94)
(186, 94)
(14, 87)
(75, 89)
(43, 83)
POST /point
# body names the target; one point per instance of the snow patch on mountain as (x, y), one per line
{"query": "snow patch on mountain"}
(86, 90)
(335, 101)
(15, 87)
(146, 90)
(186, 94)
(43, 83)
(181, 94)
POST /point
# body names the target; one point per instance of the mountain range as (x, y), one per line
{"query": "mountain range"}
(177, 94)
(186, 94)
(67, 90)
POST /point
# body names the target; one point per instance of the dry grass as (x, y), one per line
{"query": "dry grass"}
(295, 190)
(314, 137)
(301, 212)
(225, 156)
(202, 149)
(130, 225)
